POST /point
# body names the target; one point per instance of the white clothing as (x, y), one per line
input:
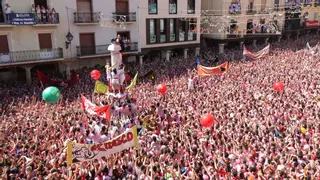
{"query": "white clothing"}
(8, 10)
(121, 76)
(190, 84)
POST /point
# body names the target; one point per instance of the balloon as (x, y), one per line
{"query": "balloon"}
(51, 94)
(95, 74)
(279, 86)
(303, 130)
(162, 88)
(207, 120)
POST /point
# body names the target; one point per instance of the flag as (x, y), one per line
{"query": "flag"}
(256, 55)
(197, 61)
(150, 75)
(101, 88)
(92, 109)
(133, 83)
(208, 71)
(308, 46)
(45, 80)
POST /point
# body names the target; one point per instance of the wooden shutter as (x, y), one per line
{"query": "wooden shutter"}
(87, 44)
(148, 30)
(122, 7)
(177, 24)
(84, 6)
(4, 47)
(45, 41)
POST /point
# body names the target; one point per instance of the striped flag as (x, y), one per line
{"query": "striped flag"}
(256, 55)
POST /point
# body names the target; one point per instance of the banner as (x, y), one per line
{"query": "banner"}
(208, 71)
(88, 152)
(133, 83)
(22, 18)
(45, 80)
(92, 109)
(256, 55)
(101, 88)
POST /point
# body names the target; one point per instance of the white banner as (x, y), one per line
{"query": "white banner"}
(88, 152)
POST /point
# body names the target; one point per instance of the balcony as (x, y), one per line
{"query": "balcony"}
(87, 18)
(24, 19)
(32, 56)
(102, 50)
(124, 17)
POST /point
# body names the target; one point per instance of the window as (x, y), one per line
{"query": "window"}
(182, 30)
(235, 8)
(153, 6)
(172, 30)
(172, 6)
(163, 31)
(41, 3)
(192, 29)
(191, 6)
(153, 37)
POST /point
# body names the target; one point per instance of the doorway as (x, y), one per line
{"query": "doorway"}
(2, 15)
(87, 44)
(45, 41)
(4, 47)
(41, 3)
(122, 7)
(249, 27)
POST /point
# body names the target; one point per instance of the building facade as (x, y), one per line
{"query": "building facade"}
(169, 26)
(249, 21)
(31, 39)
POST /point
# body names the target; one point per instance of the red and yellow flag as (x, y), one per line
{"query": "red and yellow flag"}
(208, 71)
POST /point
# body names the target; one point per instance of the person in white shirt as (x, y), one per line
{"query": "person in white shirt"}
(8, 11)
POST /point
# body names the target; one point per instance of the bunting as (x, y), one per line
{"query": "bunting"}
(133, 83)
(101, 88)
(92, 109)
(208, 71)
(256, 55)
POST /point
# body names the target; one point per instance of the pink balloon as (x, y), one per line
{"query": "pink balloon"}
(279, 86)
(207, 120)
(95, 74)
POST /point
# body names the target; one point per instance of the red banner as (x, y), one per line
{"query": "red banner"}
(45, 80)
(92, 109)
(208, 71)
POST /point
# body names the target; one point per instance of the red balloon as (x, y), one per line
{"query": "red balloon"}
(207, 120)
(162, 88)
(95, 74)
(279, 86)
(128, 78)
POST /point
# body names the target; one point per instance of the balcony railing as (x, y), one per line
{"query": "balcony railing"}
(127, 17)
(172, 37)
(103, 49)
(33, 55)
(87, 17)
(30, 19)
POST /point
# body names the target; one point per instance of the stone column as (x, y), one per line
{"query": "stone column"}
(141, 60)
(197, 51)
(28, 74)
(221, 48)
(115, 55)
(241, 44)
(168, 55)
(266, 41)
(254, 42)
(185, 53)
(279, 38)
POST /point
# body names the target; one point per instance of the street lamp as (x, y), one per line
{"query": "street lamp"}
(69, 37)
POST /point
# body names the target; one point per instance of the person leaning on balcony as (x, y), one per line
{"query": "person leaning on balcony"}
(43, 14)
(8, 11)
(53, 15)
(49, 13)
(38, 11)
(33, 11)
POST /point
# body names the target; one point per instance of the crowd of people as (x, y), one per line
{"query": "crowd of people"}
(256, 134)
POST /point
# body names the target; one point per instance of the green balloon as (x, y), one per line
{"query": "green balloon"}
(51, 94)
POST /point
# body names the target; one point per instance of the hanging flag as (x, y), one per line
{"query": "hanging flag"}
(92, 109)
(197, 61)
(208, 71)
(101, 88)
(45, 80)
(87, 152)
(308, 46)
(256, 55)
(133, 83)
